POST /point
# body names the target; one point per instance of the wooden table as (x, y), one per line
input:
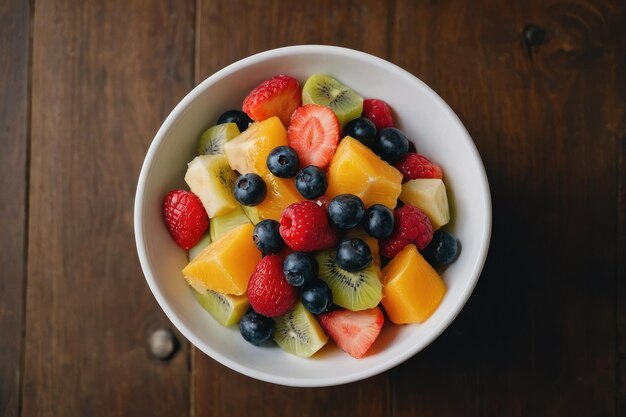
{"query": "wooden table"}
(85, 86)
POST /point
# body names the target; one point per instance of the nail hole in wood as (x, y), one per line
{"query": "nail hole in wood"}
(534, 35)
(162, 344)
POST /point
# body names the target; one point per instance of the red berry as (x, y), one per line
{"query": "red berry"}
(304, 226)
(415, 165)
(278, 96)
(353, 331)
(411, 225)
(269, 292)
(378, 112)
(185, 217)
(314, 134)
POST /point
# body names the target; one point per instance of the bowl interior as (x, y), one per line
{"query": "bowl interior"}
(419, 112)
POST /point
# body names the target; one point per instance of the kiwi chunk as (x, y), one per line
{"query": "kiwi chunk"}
(352, 290)
(202, 243)
(298, 332)
(213, 139)
(226, 309)
(220, 225)
(326, 91)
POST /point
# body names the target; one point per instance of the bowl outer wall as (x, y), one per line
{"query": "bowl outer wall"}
(430, 124)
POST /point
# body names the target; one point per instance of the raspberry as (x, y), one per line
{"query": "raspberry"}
(304, 226)
(185, 217)
(415, 165)
(378, 112)
(411, 225)
(269, 292)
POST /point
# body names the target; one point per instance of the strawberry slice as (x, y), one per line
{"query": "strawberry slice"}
(278, 96)
(314, 134)
(353, 331)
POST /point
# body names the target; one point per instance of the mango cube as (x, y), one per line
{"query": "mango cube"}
(248, 153)
(225, 266)
(412, 289)
(356, 169)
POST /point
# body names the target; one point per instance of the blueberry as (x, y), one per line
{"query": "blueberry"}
(361, 129)
(353, 255)
(283, 162)
(442, 250)
(250, 189)
(267, 237)
(391, 144)
(256, 328)
(235, 116)
(300, 268)
(311, 182)
(346, 211)
(378, 221)
(316, 296)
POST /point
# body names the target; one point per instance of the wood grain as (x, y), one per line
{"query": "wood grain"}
(231, 30)
(544, 334)
(217, 391)
(105, 75)
(14, 73)
(537, 337)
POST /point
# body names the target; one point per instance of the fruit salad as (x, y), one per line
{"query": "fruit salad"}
(310, 217)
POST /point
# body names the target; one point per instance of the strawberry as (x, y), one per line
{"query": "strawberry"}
(378, 112)
(415, 165)
(304, 226)
(314, 134)
(269, 292)
(185, 217)
(353, 331)
(278, 96)
(411, 225)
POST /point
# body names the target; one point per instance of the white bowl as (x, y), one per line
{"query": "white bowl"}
(419, 112)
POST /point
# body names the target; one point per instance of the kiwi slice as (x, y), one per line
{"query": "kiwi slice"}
(298, 332)
(226, 222)
(213, 139)
(202, 243)
(212, 180)
(352, 290)
(226, 309)
(327, 91)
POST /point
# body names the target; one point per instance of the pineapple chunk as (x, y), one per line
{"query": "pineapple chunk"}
(212, 180)
(429, 195)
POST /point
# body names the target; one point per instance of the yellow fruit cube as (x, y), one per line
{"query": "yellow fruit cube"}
(226, 265)
(248, 153)
(412, 289)
(428, 195)
(355, 169)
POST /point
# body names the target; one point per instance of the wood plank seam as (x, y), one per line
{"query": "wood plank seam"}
(29, 83)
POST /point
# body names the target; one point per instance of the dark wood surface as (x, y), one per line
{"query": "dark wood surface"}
(85, 86)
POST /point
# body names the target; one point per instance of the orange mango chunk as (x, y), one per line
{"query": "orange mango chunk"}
(225, 265)
(356, 169)
(281, 192)
(412, 289)
(248, 153)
